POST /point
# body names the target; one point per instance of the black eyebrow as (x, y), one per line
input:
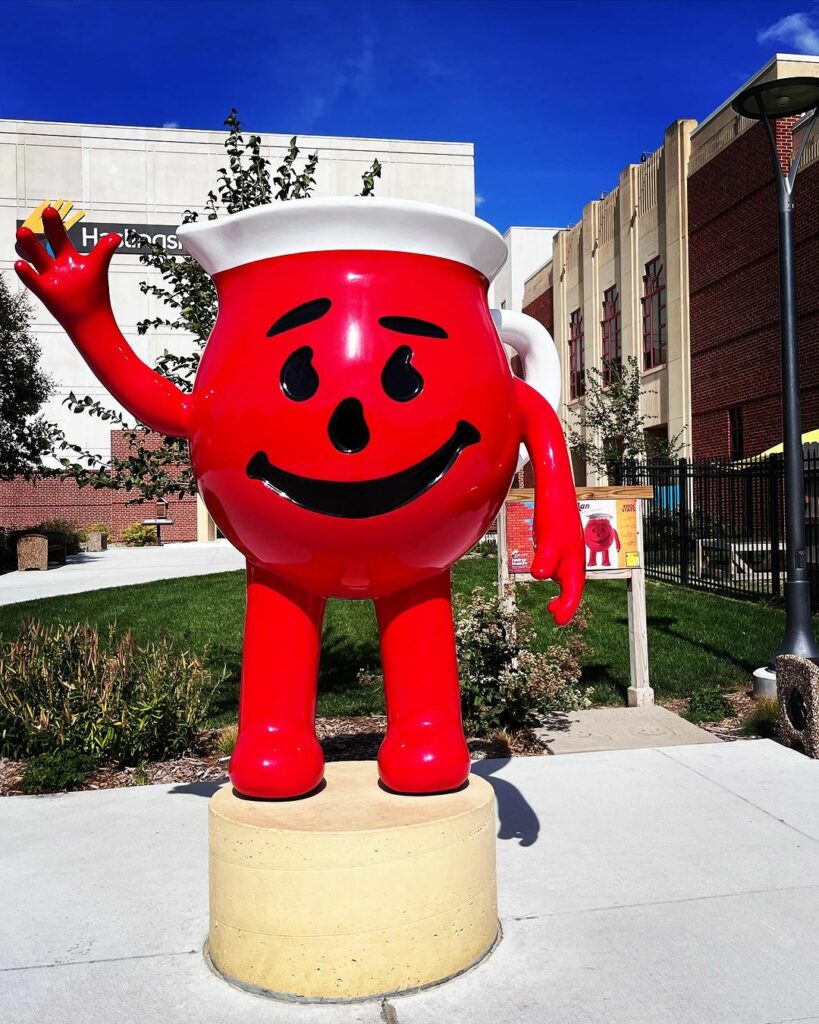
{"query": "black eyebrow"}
(306, 313)
(411, 325)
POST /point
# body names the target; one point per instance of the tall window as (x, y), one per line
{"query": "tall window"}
(577, 356)
(655, 326)
(612, 335)
(736, 432)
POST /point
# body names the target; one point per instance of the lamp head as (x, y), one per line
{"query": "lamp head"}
(781, 97)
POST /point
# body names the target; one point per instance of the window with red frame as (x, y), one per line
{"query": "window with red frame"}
(655, 326)
(577, 356)
(612, 335)
(736, 432)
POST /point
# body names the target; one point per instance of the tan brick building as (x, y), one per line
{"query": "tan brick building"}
(676, 266)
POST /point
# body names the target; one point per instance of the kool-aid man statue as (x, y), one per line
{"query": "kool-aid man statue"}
(354, 429)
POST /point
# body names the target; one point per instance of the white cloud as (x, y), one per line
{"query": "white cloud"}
(799, 31)
(479, 200)
(170, 124)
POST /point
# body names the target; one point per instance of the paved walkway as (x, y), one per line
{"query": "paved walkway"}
(656, 886)
(619, 729)
(120, 567)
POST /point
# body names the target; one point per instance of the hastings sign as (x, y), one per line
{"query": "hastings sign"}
(85, 234)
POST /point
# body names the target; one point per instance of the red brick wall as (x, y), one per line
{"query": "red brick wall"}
(734, 294)
(25, 504)
(543, 309)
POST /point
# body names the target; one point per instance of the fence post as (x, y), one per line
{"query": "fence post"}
(774, 477)
(684, 531)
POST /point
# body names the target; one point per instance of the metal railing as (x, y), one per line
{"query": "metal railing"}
(718, 525)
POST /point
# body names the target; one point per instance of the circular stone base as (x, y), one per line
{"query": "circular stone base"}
(353, 892)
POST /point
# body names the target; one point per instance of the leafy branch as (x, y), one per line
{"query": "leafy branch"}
(608, 427)
(158, 466)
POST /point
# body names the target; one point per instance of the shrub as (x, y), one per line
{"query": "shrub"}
(708, 704)
(56, 771)
(99, 528)
(486, 548)
(505, 683)
(226, 740)
(763, 720)
(137, 535)
(63, 686)
(73, 535)
(8, 552)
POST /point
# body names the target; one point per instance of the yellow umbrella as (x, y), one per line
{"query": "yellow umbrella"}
(812, 436)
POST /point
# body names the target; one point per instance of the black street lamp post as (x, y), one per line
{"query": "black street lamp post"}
(767, 102)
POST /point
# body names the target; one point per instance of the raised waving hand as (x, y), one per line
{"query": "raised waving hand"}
(73, 287)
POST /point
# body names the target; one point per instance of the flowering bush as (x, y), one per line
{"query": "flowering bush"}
(505, 683)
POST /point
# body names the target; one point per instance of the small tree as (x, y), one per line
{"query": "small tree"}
(158, 466)
(25, 436)
(608, 430)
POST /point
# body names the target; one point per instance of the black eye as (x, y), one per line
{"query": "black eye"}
(400, 379)
(410, 325)
(301, 315)
(299, 379)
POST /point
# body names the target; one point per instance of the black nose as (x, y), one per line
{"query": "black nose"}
(347, 428)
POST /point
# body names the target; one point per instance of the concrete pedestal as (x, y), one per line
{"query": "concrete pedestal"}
(764, 683)
(353, 892)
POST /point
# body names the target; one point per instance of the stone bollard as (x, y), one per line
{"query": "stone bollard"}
(96, 541)
(797, 690)
(32, 552)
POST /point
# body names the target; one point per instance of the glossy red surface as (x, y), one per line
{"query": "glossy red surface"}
(241, 409)
(341, 465)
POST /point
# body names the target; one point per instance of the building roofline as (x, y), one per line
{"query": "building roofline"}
(531, 227)
(804, 57)
(6, 122)
(534, 273)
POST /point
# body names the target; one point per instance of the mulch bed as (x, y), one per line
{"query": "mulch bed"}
(729, 729)
(343, 739)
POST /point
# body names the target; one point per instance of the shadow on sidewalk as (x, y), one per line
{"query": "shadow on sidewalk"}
(517, 818)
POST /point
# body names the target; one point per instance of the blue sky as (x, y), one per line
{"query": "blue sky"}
(556, 96)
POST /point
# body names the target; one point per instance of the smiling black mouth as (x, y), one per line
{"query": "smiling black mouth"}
(361, 499)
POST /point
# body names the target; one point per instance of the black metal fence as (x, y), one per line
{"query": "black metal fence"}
(719, 526)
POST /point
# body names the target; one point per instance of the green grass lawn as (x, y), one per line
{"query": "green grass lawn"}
(693, 637)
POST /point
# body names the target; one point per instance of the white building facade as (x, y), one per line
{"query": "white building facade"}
(529, 248)
(144, 178)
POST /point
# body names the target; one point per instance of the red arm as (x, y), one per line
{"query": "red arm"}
(616, 539)
(559, 549)
(74, 289)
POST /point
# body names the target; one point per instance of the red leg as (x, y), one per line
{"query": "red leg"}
(424, 750)
(277, 753)
(606, 560)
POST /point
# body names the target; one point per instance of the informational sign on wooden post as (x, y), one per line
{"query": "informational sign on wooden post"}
(612, 531)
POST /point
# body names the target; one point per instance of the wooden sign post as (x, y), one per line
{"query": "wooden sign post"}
(613, 531)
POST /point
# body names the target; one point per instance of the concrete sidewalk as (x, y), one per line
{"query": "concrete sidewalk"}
(574, 732)
(120, 567)
(673, 886)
